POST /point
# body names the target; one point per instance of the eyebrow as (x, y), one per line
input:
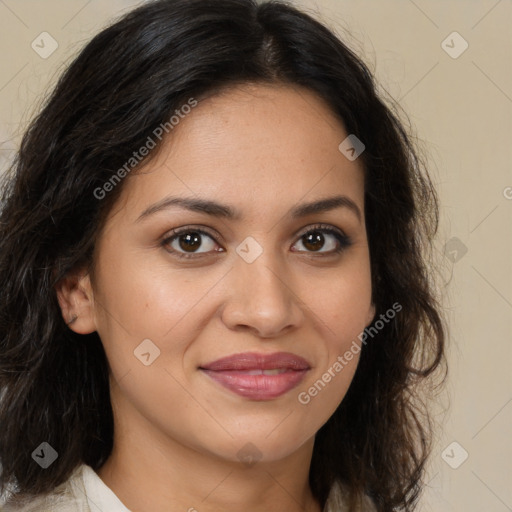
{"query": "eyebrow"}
(216, 209)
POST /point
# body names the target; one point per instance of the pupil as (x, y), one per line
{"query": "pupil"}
(314, 239)
(193, 241)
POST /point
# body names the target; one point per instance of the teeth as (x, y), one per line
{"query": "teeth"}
(275, 371)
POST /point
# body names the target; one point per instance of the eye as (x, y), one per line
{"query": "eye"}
(189, 239)
(314, 239)
(186, 242)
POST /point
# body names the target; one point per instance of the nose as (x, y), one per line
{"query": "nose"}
(261, 298)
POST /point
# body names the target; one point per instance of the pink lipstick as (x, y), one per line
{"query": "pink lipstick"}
(258, 376)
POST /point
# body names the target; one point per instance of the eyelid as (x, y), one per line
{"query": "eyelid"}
(320, 227)
(173, 233)
(201, 229)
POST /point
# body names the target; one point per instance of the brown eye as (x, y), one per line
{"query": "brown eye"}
(195, 243)
(186, 243)
(190, 241)
(315, 239)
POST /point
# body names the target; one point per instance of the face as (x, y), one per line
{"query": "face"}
(225, 327)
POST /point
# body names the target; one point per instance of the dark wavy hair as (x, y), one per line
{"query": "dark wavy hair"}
(128, 80)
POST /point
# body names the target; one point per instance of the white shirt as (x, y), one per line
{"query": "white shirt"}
(85, 491)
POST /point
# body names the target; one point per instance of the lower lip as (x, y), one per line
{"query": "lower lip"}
(258, 387)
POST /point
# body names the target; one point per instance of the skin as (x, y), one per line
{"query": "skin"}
(263, 150)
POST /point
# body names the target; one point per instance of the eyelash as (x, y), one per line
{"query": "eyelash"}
(344, 240)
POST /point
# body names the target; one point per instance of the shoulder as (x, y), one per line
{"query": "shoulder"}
(337, 500)
(67, 497)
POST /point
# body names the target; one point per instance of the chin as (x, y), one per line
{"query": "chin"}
(259, 447)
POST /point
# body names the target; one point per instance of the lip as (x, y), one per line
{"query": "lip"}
(244, 375)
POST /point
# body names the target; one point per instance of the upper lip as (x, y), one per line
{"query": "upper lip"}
(255, 361)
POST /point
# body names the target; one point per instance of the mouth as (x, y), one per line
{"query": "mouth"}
(258, 376)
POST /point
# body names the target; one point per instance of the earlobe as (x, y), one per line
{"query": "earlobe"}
(74, 293)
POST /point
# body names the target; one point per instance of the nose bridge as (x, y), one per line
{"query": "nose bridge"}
(260, 271)
(261, 295)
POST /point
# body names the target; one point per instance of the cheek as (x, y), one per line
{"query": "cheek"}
(147, 319)
(344, 302)
(145, 299)
(341, 332)
(343, 308)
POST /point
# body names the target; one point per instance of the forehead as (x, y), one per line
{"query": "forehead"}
(253, 146)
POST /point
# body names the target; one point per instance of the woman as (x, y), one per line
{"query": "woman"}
(215, 280)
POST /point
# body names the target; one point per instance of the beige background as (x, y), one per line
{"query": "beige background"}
(461, 109)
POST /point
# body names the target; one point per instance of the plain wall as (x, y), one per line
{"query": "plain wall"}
(461, 111)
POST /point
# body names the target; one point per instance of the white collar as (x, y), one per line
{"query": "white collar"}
(100, 497)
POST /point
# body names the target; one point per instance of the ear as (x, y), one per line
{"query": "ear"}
(75, 296)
